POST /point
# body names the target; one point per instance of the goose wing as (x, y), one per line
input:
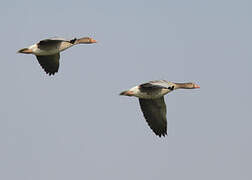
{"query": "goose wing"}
(154, 111)
(49, 63)
(159, 84)
(48, 44)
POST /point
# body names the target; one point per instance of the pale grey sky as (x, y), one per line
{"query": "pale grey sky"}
(75, 126)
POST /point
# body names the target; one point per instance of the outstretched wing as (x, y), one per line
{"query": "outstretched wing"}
(154, 111)
(49, 63)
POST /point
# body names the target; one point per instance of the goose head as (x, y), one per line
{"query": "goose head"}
(189, 85)
(86, 40)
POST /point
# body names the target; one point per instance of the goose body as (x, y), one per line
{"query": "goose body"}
(151, 100)
(152, 89)
(50, 46)
(48, 51)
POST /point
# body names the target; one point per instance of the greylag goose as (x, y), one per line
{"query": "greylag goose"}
(48, 51)
(151, 99)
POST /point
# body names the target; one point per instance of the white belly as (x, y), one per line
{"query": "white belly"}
(50, 51)
(149, 95)
(40, 52)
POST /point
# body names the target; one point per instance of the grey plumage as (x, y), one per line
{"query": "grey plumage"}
(158, 84)
(47, 51)
(49, 63)
(151, 99)
(48, 44)
(154, 111)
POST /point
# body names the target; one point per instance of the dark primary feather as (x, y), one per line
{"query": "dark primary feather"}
(156, 84)
(48, 44)
(49, 63)
(154, 111)
(150, 86)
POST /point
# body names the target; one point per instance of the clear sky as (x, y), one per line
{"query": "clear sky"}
(75, 126)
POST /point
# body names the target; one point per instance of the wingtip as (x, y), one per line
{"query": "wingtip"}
(162, 134)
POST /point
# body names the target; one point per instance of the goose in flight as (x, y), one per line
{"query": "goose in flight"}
(48, 51)
(151, 99)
